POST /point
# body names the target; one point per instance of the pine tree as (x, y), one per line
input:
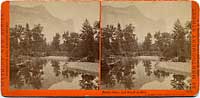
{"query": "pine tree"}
(87, 44)
(179, 40)
(130, 42)
(188, 30)
(56, 42)
(38, 38)
(147, 42)
(163, 42)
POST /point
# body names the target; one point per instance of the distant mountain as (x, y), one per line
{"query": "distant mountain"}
(131, 14)
(39, 15)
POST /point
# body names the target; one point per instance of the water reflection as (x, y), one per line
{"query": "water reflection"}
(148, 67)
(178, 82)
(119, 73)
(69, 73)
(160, 73)
(30, 74)
(56, 67)
(128, 74)
(27, 73)
(88, 82)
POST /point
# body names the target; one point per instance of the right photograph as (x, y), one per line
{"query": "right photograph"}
(146, 45)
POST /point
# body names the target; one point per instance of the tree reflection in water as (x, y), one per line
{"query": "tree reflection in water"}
(28, 73)
(87, 81)
(56, 67)
(160, 73)
(178, 82)
(122, 72)
(119, 73)
(69, 73)
(148, 67)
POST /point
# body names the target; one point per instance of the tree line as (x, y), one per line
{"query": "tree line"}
(124, 42)
(28, 41)
(115, 41)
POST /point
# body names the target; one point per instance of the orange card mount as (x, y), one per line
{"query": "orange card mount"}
(74, 48)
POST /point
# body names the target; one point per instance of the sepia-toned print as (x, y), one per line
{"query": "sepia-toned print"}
(54, 45)
(146, 45)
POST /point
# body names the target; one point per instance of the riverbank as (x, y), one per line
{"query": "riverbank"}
(58, 58)
(183, 68)
(86, 67)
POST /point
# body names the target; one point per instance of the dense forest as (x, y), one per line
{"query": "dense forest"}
(168, 45)
(26, 41)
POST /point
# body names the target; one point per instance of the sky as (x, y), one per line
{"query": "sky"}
(165, 10)
(78, 11)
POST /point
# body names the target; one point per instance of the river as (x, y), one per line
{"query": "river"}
(144, 74)
(50, 73)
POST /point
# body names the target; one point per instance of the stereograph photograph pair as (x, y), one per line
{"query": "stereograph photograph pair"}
(103, 48)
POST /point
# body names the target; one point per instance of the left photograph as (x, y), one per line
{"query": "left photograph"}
(54, 45)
